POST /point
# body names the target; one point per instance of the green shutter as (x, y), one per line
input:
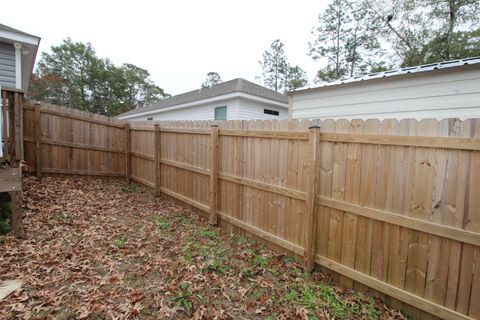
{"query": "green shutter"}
(221, 113)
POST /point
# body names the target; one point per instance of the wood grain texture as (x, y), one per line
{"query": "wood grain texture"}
(396, 206)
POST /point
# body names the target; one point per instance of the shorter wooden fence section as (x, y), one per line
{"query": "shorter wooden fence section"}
(389, 205)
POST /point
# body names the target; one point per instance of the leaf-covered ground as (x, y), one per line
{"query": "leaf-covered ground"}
(101, 249)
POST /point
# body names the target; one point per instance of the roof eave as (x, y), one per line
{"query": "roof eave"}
(232, 95)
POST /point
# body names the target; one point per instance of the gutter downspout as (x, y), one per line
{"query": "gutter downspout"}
(18, 65)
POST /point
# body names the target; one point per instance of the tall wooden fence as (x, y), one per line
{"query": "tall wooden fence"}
(66, 141)
(393, 206)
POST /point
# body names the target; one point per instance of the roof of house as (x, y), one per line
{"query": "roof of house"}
(398, 72)
(236, 85)
(10, 29)
(29, 47)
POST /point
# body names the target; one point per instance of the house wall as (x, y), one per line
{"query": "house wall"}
(447, 93)
(254, 110)
(237, 109)
(7, 65)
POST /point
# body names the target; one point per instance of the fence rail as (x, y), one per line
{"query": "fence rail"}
(392, 205)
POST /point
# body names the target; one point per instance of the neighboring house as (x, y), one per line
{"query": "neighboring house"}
(448, 89)
(236, 99)
(17, 58)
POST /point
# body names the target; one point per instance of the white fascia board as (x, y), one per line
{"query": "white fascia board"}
(15, 37)
(209, 100)
(263, 100)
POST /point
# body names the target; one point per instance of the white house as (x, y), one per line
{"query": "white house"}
(17, 58)
(236, 99)
(448, 89)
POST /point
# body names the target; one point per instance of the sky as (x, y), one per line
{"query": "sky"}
(179, 41)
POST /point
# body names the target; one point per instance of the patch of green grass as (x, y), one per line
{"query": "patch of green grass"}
(120, 243)
(257, 294)
(260, 261)
(162, 223)
(209, 234)
(63, 216)
(183, 297)
(130, 188)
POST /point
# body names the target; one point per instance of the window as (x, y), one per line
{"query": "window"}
(150, 118)
(221, 113)
(272, 112)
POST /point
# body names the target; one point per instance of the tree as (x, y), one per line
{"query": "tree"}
(345, 38)
(213, 78)
(73, 76)
(296, 78)
(426, 31)
(274, 67)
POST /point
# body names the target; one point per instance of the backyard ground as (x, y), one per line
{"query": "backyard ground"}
(100, 249)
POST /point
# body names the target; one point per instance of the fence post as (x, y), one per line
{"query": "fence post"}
(19, 126)
(213, 174)
(127, 152)
(38, 137)
(311, 190)
(157, 144)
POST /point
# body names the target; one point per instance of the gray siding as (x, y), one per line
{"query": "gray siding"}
(7, 65)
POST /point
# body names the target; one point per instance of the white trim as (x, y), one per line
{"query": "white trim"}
(209, 100)
(19, 37)
(18, 67)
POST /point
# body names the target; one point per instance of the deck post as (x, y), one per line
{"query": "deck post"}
(213, 174)
(311, 192)
(157, 146)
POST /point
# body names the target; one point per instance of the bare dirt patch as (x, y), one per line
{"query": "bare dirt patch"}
(100, 249)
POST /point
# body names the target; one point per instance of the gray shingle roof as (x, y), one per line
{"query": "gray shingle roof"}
(236, 85)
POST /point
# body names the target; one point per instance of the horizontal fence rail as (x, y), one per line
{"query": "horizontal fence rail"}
(389, 205)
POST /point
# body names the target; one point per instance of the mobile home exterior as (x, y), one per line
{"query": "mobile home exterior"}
(444, 90)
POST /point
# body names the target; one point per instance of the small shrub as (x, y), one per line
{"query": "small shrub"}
(182, 298)
(260, 261)
(120, 243)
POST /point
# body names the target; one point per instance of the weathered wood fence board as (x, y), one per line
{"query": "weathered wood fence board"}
(396, 205)
(66, 141)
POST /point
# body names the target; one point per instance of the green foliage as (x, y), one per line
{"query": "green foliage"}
(130, 188)
(5, 213)
(346, 40)
(209, 234)
(296, 78)
(260, 261)
(120, 243)
(162, 223)
(183, 297)
(213, 78)
(63, 216)
(274, 66)
(72, 75)
(428, 31)
(277, 73)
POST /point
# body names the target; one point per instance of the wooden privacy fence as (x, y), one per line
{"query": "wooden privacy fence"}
(66, 141)
(389, 205)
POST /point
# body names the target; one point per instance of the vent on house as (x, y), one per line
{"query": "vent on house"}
(272, 112)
